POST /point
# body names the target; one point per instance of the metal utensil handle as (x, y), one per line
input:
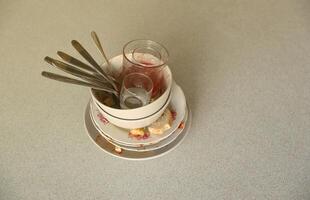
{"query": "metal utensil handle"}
(72, 70)
(78, 63)
(65, 79)
(99, 46)
(88, 57)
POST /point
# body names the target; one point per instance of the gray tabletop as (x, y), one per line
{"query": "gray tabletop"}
(245, 69)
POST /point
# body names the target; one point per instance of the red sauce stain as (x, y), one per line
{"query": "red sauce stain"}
(182, 125)
(174, 114)
(139, 137)
(102, 118)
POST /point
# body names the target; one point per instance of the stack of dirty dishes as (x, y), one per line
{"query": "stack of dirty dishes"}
(137, 110)
(150, 112)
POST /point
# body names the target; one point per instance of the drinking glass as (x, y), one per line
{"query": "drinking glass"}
(136, 91)
(146, 57)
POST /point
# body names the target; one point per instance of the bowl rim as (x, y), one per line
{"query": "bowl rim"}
(135, 119)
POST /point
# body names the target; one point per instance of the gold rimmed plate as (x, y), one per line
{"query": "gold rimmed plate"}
(141, 148)
(109, 148)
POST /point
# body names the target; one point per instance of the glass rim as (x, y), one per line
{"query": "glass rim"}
(139, 64)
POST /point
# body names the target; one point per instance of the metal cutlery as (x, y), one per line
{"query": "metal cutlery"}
(91, 61)
(76, 62)
(73, 70)
(99, 46)
(80, 64)
(65, 79)
(92, 73)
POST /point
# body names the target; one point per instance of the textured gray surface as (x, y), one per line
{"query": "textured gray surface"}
(244, 66)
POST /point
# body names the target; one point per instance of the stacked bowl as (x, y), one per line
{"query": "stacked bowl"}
(137, 117)
(114, 124)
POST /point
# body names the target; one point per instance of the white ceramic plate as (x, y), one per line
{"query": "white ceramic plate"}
(120, 136)
(142, 148)
(107, 147)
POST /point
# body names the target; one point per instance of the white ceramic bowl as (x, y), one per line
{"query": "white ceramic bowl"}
(141, 112)
(120, 136)
(134, 123)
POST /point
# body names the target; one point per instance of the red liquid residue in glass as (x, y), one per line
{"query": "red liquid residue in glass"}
(154, 73)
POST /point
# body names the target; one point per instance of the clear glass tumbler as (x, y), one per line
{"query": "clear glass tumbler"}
(136, 91)
(146, 57)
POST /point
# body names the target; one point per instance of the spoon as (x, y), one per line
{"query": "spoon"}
(78, 63)
(65, 79)
(99, 46)
(74, 71)
(74, 61)
(88, 57)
